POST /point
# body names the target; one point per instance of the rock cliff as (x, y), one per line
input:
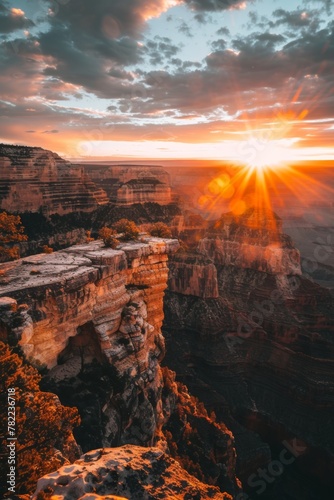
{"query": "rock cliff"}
(129, 184)
(129, 472)
(261, 352)
(93, 316)
(88, 302)
(143, 190)
(33, 179)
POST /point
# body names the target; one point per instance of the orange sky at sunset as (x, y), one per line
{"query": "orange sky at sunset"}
(248, 82)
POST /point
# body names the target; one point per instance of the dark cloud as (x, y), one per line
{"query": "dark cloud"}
(213, 5)
(223, 31)
(218, 45)
(255, 75)
(185, 29)
(160, 50)
(299, 18)
(107, 19)
(90, 46)
(12, 19)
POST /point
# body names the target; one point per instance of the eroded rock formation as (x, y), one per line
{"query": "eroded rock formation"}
(129, 472)
(88, 302)
(260, 351)
(93, 315)
(33, 179)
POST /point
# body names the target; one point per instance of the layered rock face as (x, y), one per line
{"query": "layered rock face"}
(253, 240)
(260, 351)
(127, 185)
(193, 274)
(33, 179)
(143, 190)
(129, 472)
(89, 302)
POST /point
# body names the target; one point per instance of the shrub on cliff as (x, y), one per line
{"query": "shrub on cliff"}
(160, 229)
(42, 425)
(108, 236)
(127, 228)
(11, 232)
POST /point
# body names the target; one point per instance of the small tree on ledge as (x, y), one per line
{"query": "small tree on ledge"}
(11, 231)
(160, 230)
(127, 228)
(108, 236)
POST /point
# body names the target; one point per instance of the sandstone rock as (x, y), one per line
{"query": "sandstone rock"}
(127, 184)
(129, 472)
(143, 190)
(193, 274)
(33, 179)
(78, 301)
(263, 348)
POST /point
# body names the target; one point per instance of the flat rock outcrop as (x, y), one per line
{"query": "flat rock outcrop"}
(130, 472)
(90, 303)
(33, 179)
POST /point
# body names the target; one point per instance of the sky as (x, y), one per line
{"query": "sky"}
(210, 79)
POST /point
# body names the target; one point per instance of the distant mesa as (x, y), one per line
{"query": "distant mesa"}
(33, 179)
(130, 184)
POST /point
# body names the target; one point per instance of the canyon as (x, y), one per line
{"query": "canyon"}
(33, 179)
(247, 333)
(253, 339)
(140, 336)
(129, 184)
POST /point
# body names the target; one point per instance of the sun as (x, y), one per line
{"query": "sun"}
(261, 156)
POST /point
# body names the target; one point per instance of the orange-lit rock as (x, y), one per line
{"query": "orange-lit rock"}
(130, 472)
(77, 301)
(33, 179)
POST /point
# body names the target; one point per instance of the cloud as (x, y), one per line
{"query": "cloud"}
(219, 45)
(12, 19)
(299, 18)
(185, 29)
(160, 50)
(215, 5)
(223, 31)
(109, 19)
(89, 47)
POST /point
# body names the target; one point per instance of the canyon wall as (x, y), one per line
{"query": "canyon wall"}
(260, 353)
(33, 179)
